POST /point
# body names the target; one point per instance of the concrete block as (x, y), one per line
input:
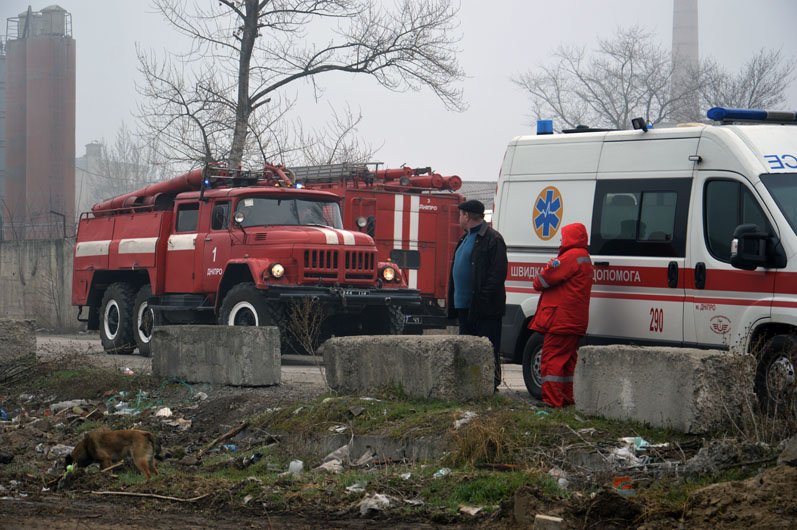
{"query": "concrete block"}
(425, 367)
(220, 355)
(17, 341)
(689, 390)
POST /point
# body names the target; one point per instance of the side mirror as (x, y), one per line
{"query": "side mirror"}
(749, 247)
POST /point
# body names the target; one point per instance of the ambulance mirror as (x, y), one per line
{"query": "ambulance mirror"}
(748, 247)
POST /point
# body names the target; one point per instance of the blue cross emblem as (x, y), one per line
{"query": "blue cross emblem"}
(548, 209)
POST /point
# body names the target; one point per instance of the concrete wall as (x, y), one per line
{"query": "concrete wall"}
(425, 367)
(221, 355)
(689, 390)
(36, 282)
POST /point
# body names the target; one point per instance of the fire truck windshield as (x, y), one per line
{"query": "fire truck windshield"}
(783, 188)
(270, 211)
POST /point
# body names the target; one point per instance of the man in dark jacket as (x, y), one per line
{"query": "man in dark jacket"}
(476, 294)
(563, 313)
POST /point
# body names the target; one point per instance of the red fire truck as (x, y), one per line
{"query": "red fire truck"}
(412, 215)
(231, 247)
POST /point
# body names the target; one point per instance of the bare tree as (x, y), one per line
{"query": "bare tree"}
(126, 163)
(631, 75)
(206, 102)
(761, 83)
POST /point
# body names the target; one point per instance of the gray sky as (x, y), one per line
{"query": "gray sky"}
(499, 40)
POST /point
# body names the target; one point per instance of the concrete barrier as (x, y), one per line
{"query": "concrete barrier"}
(689, 390)
(17, 341)
(221, 355)
(426, 367)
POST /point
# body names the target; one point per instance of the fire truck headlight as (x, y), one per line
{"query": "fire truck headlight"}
(361, 222)
(389, 274)
(277, 270)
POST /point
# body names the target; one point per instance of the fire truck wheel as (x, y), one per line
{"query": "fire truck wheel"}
(144, 321)
(532, 358)
(116, 319)
(383, 321)
(244, 305)
(775, 383)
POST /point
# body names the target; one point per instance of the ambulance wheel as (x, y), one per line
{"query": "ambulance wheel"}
(387, 320)
(144, 321)
(775, 383)
(532, 360)
(116, 319)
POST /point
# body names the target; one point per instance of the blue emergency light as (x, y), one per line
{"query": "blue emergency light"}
(723, 114)
(544, 126)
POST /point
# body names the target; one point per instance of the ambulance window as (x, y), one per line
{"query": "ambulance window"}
(727, 205)
(219, 216)
(657, 220)
(187, 215)
(620, 215)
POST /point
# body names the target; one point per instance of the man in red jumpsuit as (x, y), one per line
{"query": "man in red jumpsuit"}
(563, 313)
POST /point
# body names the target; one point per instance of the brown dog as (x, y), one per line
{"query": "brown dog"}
(106, 447)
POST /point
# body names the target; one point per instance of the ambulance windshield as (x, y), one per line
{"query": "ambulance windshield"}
(269, 211)
(783, 188)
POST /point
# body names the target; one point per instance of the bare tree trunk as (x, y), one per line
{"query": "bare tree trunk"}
(244, 107)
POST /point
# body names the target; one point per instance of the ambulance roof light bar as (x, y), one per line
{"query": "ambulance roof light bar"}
(726, 115)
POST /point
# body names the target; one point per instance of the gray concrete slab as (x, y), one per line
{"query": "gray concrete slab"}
(224, 355)
(17, 341)
(689, 390)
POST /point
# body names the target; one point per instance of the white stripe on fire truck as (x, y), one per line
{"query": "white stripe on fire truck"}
(415, 203)
(331, 235)
(348, 237)
(182, 242)
(398, 221)
(138, 245)
(92, 248)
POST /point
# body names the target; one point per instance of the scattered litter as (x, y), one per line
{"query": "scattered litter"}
(126, 370)
(466, 418)
(165, 412)
(356, 411)
(369, 399)
(247, 499)
(377, 503)
(638, 443)
(200, 396)
(406, 476)
(441, 472)
(328, 399)
(357, 487)
(40, 448)
(588, 430)
(625, 457)
(295, 467)
(63, 405)
(414, 502)
(542, 413)
(59, 451)
(331, 466)
(182, 423)
(26, 397)
(366, 458)
(298, 410)
(338, 428)
(254, 479)
(6, 458)
(469, 510)
(561, 477)
(230, 447)
(249, 460)
(4, 416)
(624, 485)
(341, 454)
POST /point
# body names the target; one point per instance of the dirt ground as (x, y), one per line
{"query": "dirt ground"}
(33, 493)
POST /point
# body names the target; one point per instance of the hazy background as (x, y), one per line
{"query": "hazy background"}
(499, 39)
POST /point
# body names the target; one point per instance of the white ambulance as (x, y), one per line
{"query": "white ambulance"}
(692, 236)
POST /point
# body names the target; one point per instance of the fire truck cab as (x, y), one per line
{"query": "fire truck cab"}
(233, 248)
(693, 237)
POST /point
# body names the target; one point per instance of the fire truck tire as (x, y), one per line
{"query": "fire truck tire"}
(245, 305)
(383, 321)
(775, 382)
(116, 319)
(532, 358)
(143, 322)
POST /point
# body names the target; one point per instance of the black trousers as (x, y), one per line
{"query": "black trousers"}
(490, 328)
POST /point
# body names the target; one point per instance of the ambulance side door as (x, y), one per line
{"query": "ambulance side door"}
(637, 246)
(724, 302)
